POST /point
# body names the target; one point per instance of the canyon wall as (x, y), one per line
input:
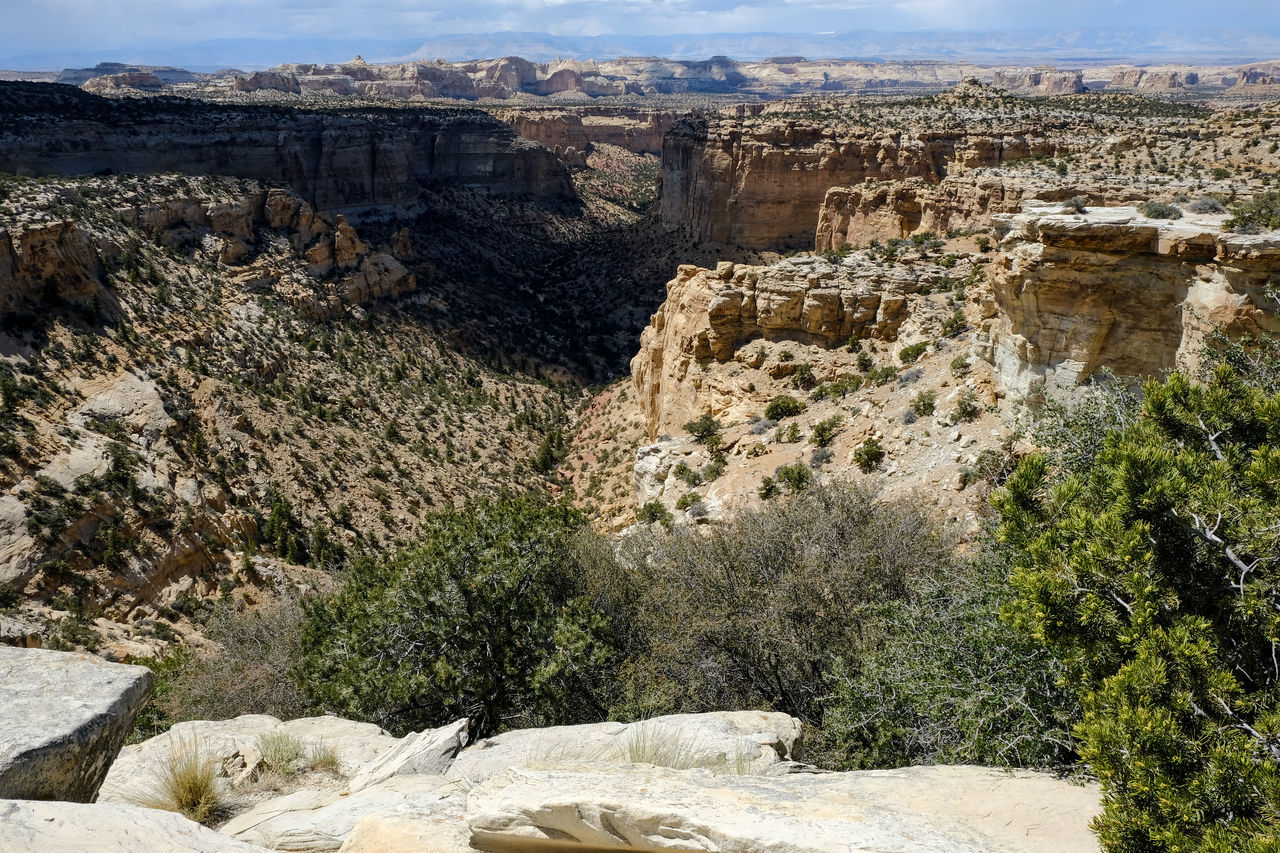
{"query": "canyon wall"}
(1072, 294)
(335, 160)
(880, 209)
(758, 183)
(637, 130)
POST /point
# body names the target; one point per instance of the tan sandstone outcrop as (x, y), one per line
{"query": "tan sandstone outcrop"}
(759, 181)
(880, 209)
(1075, 293)
(279, 81)
(1040, 81)
(709, 314)
(127, 80)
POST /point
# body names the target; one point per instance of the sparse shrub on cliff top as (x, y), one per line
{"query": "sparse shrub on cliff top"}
(185, 782)
(1206, 204)
(654, 511)
(1260, 213)
(783, 406)
(1159, 210)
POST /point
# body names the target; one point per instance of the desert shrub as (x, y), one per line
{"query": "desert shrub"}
(687, 500)
(910, 353)
(713, 469)
(783, 406)
(687, 475)
(1149, 568)
(959, 365)
(247, 674)
(824, 432)
(803, 378)
(967, 407)
(882, 375)
(1077, 204)
(769, 488)
(1159, 210)
(1260, 213)
(703, 427)
(1206, 204)
(954, 325)
(653, 511)
(821, 457)
(923, 403)
(484, 618)
(949, 682)
(841, 387)
(750, 612)
(762, 426)
(869, 455)
(865, 362)
(281, 752)
(793, 477)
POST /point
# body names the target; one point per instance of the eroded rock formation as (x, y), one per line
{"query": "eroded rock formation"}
(1072, 294)
(709, 315)
(1040, 81)
(758, 181)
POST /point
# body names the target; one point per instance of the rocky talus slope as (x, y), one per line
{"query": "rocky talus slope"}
(730, 781)
(205, 387)
(1073, 293)
(334, 160)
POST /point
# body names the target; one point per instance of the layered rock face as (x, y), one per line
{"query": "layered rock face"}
(1040, 81)
(62, 261)
(333, 161)
(758, 182)
(880, 209)
(710, 314)
(1072, 294)
(637, 130)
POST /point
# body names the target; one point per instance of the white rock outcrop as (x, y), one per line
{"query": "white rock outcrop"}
(43, 827)
(63, 719)
(912, 810)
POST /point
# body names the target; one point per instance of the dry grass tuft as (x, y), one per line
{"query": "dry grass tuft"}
(186, 782)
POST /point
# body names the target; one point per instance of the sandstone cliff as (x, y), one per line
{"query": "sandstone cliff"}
(334, 160)
(1040, 81)
(637, 130)
(709, 315)
(1072, 294)
(759, 181)
(885, 209)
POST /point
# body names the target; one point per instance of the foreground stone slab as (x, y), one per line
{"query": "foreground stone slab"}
(105, 828)
(313, 821)
(743, 741)
(912, 810)
(63, 719)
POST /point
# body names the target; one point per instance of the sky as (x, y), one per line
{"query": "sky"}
(35, 27)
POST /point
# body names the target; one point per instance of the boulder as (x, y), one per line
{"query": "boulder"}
(65, 718)
(912, 810)
(408, 834)
(750, 741)
(429, 752)
(77, 827)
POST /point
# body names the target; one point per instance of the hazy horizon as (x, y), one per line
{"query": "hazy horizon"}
(51, 34)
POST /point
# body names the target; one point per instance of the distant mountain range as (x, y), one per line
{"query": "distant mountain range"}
(1072, 47)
